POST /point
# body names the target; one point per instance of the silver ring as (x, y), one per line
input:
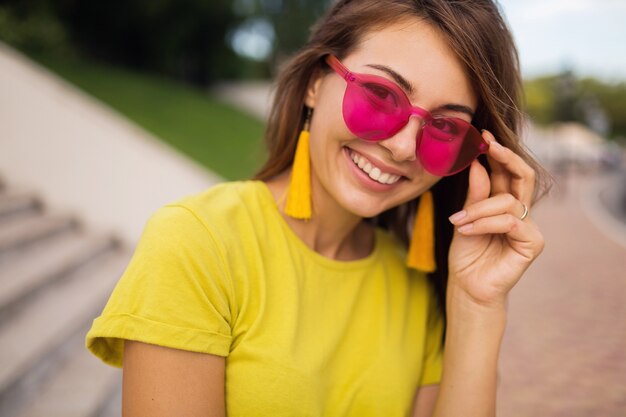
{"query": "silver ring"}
(525, 214)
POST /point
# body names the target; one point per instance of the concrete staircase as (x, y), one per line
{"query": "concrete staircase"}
(54, 280)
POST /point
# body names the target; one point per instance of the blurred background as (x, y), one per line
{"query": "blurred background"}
(109, 110)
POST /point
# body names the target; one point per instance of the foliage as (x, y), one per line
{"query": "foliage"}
(612, 97)
(183, 39)
(539, 97)
(292, 23)
(565, 97)
(34, 29)
(291, 20)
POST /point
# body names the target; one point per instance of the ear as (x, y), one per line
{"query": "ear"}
(313, 89)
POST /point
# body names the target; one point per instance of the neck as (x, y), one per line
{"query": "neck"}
(332, 231)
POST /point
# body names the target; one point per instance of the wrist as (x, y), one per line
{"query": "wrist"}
(460, 302)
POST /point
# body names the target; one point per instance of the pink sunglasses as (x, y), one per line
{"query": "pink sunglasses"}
(375, 108)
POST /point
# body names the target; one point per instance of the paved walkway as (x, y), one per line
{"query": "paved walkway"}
(564, 353)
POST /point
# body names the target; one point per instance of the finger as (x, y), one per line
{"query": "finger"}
(479, 184)
(501, 224)
(507, 166)
(499, 204)
(500, 177)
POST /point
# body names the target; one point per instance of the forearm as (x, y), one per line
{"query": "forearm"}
(472, 345)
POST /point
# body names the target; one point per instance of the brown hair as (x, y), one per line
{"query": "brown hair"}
(475, 31)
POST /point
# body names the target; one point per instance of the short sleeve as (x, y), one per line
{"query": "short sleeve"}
(433, 346)
(175, 292)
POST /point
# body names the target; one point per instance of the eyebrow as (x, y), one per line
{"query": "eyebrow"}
(457, 108)
(404, 83)
(408, 87)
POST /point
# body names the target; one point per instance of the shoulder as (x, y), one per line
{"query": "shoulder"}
(222, 199)
(215, 208)
(220, 216)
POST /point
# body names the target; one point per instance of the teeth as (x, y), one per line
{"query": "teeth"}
(374, 172)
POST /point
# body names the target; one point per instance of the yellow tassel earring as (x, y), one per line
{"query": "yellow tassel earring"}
(298, 203)
(422, 248)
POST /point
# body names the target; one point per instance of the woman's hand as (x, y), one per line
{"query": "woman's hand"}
(492, 246)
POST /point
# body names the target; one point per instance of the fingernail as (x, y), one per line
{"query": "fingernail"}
(496, 144)
(466, 228)
(457, 216)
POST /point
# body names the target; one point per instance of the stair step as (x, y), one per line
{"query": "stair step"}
(87, 382)
(33, 268)
(31, 342)
(24, 231)
(15, 204)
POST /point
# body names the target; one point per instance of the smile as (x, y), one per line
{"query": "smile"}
(372, 171)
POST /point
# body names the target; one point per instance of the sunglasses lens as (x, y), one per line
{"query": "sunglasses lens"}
(449, 145)
(375, 110)
(372, 111)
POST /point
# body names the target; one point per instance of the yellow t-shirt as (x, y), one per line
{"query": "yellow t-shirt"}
(221, 272)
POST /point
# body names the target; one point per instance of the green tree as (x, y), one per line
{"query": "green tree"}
(33, 26)
(612, 98)
(185, 39)
(291, 20)
(182, 38)
(565, 97)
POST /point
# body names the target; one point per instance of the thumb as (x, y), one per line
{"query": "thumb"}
(479, 184)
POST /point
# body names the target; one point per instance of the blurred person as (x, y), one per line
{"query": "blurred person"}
(383, 227)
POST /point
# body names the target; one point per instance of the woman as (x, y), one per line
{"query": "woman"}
(291, 294)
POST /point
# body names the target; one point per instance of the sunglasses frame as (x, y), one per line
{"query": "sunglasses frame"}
(408, 110)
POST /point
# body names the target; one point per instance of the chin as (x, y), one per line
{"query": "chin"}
(365, 207)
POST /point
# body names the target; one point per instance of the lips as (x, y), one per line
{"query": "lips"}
(374, 172)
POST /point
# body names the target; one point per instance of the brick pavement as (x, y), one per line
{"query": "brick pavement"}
(564, 352)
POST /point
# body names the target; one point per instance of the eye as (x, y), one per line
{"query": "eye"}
(445, 125)
(380, 94)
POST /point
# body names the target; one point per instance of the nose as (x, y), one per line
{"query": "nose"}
(403, 145)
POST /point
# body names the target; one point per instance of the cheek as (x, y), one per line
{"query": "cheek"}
(422, 184)
(327, 112)
(328, 134)
(426, 182)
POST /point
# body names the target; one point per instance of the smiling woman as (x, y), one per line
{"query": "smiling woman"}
(317, 288)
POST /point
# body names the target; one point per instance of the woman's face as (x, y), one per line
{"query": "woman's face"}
(432, 77)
